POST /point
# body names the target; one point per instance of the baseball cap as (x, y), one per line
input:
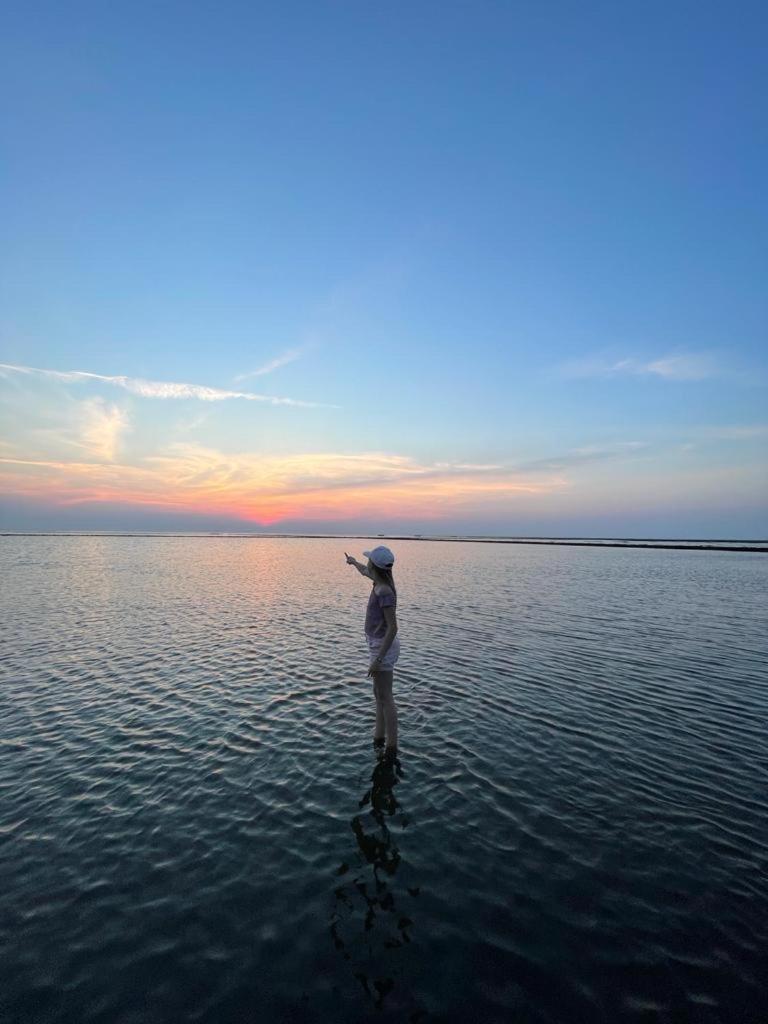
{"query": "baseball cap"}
(381, 557)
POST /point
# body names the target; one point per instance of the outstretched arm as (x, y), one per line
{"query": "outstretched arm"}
(362, 569)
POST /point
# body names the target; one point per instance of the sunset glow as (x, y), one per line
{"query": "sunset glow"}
(414, 270)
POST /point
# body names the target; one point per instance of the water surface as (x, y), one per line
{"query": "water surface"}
(194, 826)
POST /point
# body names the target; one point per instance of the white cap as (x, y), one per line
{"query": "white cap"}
(381, 557)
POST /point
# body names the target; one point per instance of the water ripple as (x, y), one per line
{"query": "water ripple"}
(194, 827)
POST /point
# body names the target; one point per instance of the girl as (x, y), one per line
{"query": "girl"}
(383, 642)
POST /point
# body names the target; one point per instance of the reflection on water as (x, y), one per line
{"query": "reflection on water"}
(369, 921)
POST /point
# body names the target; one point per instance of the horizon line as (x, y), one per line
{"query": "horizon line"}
(667, 544)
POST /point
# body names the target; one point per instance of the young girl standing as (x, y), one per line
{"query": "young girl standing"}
(383, 642)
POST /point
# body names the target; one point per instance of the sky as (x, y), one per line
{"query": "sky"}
(489, 268)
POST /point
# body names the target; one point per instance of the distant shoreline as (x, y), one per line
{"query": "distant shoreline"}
(610, 542)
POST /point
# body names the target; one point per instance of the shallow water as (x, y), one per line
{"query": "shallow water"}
(194, 826)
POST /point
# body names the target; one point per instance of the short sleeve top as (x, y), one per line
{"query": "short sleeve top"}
(381, 597)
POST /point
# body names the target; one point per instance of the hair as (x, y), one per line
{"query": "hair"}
(385, 576)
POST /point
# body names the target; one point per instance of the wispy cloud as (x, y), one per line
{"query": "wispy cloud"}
(676, 367)
(584, 455)
(480, 467)
(696, 366)
(274, 364)
(269, 488)
(737, 433)
(188, 424)
(604, 450)
(157, 389)
(51, 426)
(102, 427)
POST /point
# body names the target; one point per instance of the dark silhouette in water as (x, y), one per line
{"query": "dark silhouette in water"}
(367, 926)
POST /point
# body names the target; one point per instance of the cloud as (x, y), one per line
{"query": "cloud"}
(158, 389)
(603, 450)
(737, 433)
(188, 424)
(377, 486)
(63, 425)
(287, 357)
(102, 427)
(479, 466)
(583, 455)
(688, 366)
(266, 489)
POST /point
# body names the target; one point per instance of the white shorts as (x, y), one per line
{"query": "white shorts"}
(390, 658)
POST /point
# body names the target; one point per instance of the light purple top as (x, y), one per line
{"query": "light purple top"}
(375, 623)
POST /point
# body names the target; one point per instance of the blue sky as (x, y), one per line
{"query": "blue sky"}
(518, 250)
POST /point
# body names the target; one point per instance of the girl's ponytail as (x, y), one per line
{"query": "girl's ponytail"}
(388, 578)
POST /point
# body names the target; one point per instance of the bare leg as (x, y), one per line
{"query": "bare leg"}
(382, 684)
(378, 729)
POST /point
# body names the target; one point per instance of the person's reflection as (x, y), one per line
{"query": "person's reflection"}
(366, 923)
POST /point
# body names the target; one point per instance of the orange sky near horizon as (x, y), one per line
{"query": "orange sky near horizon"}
(71, 454)
(265, 490)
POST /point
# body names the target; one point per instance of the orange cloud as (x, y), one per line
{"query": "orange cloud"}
(266, 489)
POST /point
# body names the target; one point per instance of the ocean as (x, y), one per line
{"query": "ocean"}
(194, 825)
